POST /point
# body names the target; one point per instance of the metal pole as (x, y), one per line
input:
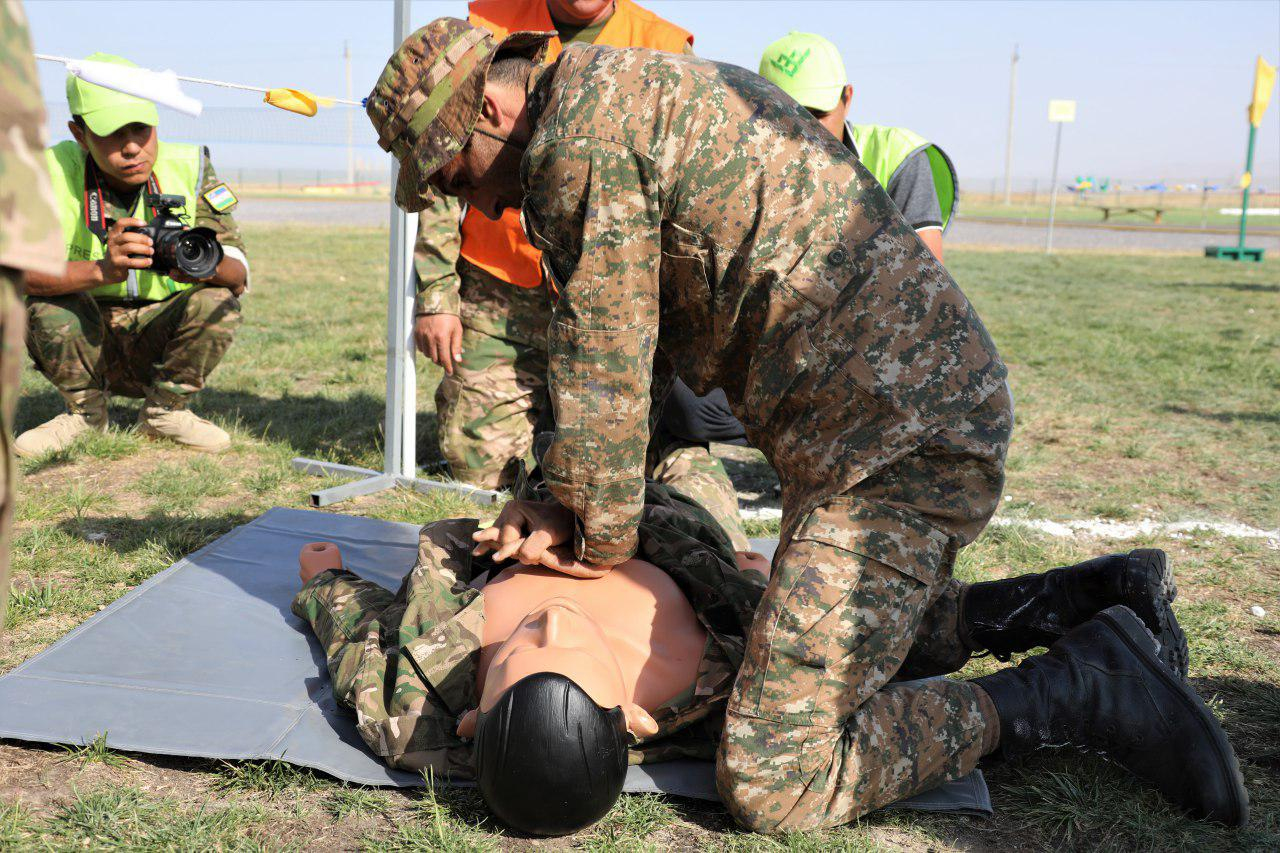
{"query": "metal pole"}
(401, 433)
(400, 453)
(1053, 191)
(1008, 139)
(1248, 171)
(351, 154)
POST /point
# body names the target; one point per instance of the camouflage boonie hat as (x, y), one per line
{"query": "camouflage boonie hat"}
(429, 96)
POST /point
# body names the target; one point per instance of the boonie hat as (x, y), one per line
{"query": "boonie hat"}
(429, 95)
(807, 67)
(105, 110)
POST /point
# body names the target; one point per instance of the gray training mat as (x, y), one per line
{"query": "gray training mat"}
(205, 660)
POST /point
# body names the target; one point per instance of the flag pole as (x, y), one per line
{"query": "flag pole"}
(1248, 184)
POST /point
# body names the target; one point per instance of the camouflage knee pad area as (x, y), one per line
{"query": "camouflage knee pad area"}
(696, 473)
(815, 734)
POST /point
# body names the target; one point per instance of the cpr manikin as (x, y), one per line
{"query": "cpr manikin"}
(627, 641)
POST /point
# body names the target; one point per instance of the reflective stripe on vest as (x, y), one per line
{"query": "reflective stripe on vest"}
(883, 150)
(500, 248)
(179, 170)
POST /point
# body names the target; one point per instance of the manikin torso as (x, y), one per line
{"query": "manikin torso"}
(628, 638)
(646, 620)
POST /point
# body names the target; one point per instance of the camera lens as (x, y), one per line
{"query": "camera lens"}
(196, 253)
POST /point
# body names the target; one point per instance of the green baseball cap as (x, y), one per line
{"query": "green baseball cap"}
(105, 110)
(807, 67)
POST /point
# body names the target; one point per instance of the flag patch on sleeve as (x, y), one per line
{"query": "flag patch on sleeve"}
(221, 198)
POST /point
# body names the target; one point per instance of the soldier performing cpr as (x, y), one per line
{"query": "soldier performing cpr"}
(113, 323)
(695, 218)
(483, 310)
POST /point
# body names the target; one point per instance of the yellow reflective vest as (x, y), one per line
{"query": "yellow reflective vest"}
(884, 149)
(179, 170)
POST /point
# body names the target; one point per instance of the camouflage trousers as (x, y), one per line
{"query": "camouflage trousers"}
(12, 327)
(818, 731)
(161, 350)
(487, 410)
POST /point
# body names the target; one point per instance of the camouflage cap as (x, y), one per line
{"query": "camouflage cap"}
(429, 96)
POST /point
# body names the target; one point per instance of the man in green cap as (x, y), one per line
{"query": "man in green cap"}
(696, 220)
(916, 174)
(30, 241)
(110, 323)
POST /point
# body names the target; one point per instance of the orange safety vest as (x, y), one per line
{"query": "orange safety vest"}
(500, 248)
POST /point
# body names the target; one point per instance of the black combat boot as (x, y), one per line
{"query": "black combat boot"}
(1022, 613)
(1102, 689)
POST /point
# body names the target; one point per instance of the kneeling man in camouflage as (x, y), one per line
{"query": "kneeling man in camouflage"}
(697, 221)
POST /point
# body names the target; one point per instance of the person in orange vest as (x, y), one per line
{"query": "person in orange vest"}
(482, 309)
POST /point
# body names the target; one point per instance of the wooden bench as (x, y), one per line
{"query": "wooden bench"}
(1156, 214)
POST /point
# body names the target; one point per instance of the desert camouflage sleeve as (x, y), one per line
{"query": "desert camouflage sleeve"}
(435, 257)
(595, 207)
(30, 232)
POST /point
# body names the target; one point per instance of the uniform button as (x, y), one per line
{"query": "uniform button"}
(836, 257)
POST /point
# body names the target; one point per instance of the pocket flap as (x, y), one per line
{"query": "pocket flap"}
(898, 539)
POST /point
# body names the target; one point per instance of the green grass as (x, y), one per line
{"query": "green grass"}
(95, 751)
(1177, 212)
(1146, 387)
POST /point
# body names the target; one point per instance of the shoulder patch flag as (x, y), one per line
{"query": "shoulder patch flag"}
(221, 198)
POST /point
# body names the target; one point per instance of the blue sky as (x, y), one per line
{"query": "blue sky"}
(1162, 86)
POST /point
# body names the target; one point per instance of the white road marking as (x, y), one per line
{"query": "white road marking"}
(1102, 528)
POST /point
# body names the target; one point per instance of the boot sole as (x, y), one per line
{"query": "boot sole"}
(1126, 625)
(1151, 565)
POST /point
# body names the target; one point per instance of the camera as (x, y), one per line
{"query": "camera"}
(194, 251)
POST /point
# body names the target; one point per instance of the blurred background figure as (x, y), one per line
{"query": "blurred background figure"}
(916, 174)
(30, 239)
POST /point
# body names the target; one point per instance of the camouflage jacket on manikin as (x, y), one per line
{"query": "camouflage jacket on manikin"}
(690, 209)
(407, 662)
(30, 237)
(117, 205)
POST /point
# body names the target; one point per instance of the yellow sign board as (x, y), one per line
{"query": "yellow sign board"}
(1064, 111)
(1264, 77)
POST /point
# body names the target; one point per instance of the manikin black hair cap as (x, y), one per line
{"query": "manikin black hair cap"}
(549, 760)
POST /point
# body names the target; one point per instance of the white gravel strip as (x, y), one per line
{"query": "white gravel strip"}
(1108, 529)
(1104, 528)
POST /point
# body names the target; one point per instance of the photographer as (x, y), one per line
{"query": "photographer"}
(126, 318)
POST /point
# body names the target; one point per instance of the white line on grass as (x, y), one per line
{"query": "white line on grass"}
(1104, 528)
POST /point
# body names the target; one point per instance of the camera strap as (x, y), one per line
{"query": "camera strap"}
(95, 208)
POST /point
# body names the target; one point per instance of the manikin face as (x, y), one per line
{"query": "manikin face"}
(579, 13)
(125, 157)
(559, 636)
(486, 173)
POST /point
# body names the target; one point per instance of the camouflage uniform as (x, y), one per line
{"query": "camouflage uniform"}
(162, 350)
(425, 639)
(488, 409)
(30, 236)
(690, 209)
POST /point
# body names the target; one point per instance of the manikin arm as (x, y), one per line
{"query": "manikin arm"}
(340, 608)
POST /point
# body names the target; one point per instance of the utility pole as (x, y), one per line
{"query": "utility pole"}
(351, 155)
(1008, 139)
